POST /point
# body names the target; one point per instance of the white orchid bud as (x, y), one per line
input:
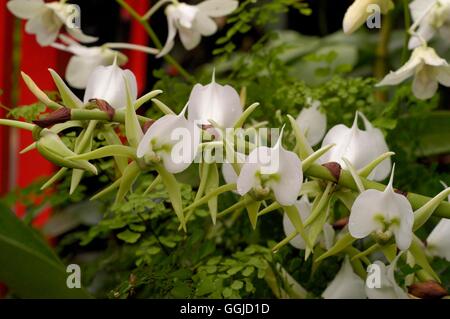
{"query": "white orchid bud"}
(384, 215)
(346, 284)
(272, 170)
(46, 19)
(220, 103)
(428, 70)
(172, 140)
(384, 285)
(360, 147)
(312, 122)
(108, 83)
(194, 21)
(358, 13)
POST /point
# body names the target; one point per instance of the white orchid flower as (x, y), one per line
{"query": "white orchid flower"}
(272, 170)
(220, 103)
(86, 59)
(312, 122)
(173, 140)
(438, 242)
(360, 147)
(346, 285)
(429, 17)
(384, 285)
(428, 70)
(304, 209)
(108, 83)
(194, 21)
(383, 214)
(358, 13)
(46, 19)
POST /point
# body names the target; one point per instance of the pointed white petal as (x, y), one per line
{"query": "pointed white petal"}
(346, 284)
(218, 8)
(406, 71)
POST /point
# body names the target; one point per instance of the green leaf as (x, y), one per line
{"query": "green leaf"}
(252, 210)
(416, 249)
(27, 264)
(237, 285)
(227, 292)
(126, 182)
(133, 129)
(340, 245)
(211, 184)
(128, 236)
(68, 97)
(173, 188)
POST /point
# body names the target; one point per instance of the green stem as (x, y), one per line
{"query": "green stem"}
(86, 115)
(155, 40)
(407, 18)
(17, 124)
(346, 180)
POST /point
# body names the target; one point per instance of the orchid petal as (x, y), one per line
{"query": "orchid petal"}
(218, 8)
(346, 285)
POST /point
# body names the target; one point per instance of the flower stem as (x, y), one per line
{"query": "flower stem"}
(380, 68)
(130, 46)
(346, 180)
(407, 18)
(86, 115)
(155, 39)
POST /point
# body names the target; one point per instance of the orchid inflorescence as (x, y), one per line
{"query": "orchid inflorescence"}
(267, 176)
